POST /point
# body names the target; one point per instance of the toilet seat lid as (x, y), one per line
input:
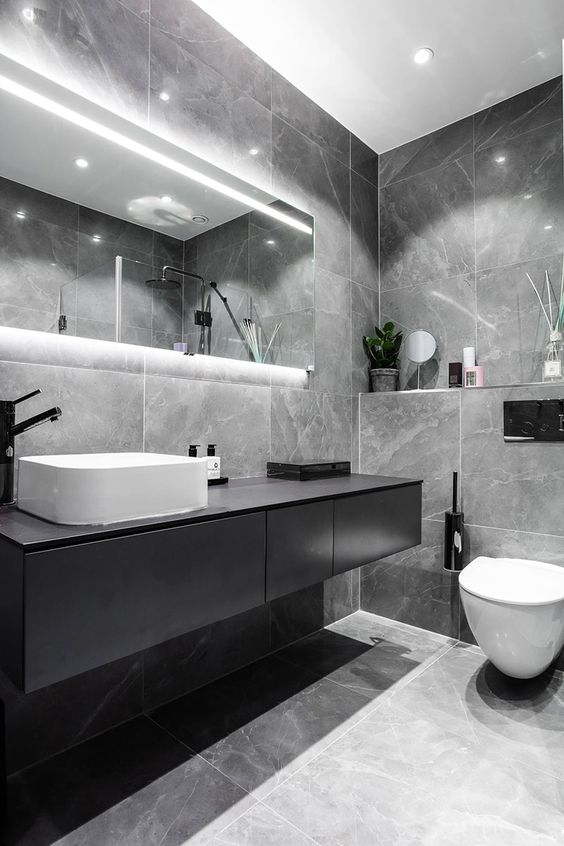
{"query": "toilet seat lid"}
(514, 581)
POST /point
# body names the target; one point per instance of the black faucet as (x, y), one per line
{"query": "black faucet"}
(8, 431)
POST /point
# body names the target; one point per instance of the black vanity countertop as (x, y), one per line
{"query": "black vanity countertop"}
(240, 496)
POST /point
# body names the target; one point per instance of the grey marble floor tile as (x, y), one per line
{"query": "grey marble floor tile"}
(261, 827)
(133, 785)
(410, 779)
(365, 653)
(262, 723)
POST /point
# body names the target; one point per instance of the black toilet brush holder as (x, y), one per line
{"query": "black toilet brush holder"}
(454, 532)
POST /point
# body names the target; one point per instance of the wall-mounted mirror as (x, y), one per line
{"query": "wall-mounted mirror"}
(108, 231)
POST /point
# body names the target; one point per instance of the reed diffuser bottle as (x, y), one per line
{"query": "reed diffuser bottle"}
(552, 368)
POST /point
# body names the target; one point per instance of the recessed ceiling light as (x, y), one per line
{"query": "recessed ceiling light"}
(548, 226)
(21, 214)
(527, 196)
(96, 238)
(164, 96)
(200, 218)
(423, 55)
(500, 159)
(254, 151)
(29, 14)
(81, 162)
(271, 243)
(166, 199)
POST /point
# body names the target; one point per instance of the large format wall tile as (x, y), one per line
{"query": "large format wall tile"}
(332, 333)
(364, 317)
(436, 149)
(303, 173)
(310, 426)
(98, 49)
(413, 587)
(364, 160)
(511, 543)
(526, 111)
(365, 266)
(446, 309)
(179, 412)
(415, 435)
(517, 486)
(427, 226)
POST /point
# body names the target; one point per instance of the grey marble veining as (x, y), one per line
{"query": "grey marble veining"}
(179, 412)
(332, 333)
(364, 317)
(364, 160)
(261, 827)
(512, 333)
(294, 107)
(509, 485)
(447, 309)
(405, 776)
(309, 426)
(304, 174)
(415, 433)
(37, 204)
(427, 226)
(512, 543)
(76, 45)
(365, 246)
(436, 149)
(526, 111)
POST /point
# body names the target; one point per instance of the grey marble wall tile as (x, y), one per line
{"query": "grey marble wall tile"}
(527, 164)
(19, 345)
(305, 175)
(36, 259)
(33, 319)
(364, 160)
(528, 110)
(307, 425)
(99, 330)
(519, 228)
(76, 45)
(412, 586)
(512, 334)
(234, 231)
(281, 271)
(44, 723)
(207, 114)
(198, 658)
(202, 36)
(37, 204)
(179, 412)
(510, 543)
(416, 435)
(293, 106)
(427, 226)
(445, 308)
(172, 364)
(511, 486)
(102, 411)
(340, 597)
(332, 333)
(364, 232)
(296, 615)
(293, 345)
(120, 233)
(355, 414)
(438, 148)
(364, 317)
(167, 250)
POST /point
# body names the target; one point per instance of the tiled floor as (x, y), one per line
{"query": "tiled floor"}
(369, 733)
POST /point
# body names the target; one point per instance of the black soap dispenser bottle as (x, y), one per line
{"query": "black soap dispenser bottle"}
(454, 532)
(193, 450)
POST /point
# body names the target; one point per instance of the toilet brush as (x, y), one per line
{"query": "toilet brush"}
(454, 532)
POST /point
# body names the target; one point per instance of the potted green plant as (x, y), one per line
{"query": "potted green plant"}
(383, 351)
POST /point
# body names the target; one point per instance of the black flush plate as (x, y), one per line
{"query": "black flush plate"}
(533, 420)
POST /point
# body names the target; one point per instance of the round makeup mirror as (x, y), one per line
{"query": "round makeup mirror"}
(420, 346)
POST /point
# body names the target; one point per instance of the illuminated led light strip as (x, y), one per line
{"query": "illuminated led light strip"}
(121, 140)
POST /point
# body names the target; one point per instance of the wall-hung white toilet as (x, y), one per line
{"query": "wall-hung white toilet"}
(515, 609)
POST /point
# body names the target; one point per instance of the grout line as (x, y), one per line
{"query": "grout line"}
(287, 822)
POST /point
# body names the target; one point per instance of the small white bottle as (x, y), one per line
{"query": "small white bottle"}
(214, 463)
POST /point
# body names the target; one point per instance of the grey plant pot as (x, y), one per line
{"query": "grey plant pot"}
(384, 379)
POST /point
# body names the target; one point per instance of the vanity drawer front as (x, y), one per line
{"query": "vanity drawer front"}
(371, 526)
(299, 547)
(89, 604)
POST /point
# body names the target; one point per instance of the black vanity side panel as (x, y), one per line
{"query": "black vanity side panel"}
(371, 526)
(93, 603)
(11, 611)
(299, 547)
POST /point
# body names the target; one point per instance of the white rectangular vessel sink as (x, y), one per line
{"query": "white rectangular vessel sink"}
(110, 487)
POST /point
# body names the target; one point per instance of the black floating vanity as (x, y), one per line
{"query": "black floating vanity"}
(74, 598)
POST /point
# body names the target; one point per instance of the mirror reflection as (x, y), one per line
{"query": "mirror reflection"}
(101, 242)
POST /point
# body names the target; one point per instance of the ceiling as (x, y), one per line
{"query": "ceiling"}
(354, 57)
